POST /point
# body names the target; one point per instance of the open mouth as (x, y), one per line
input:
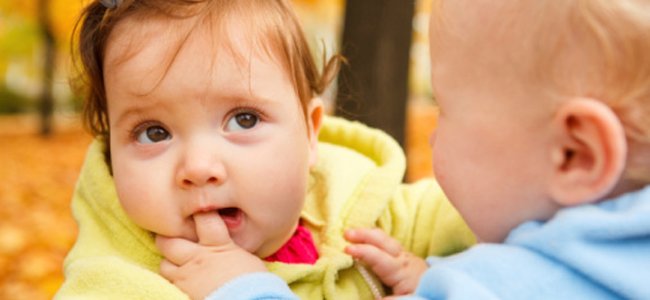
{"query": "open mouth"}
(232, 216)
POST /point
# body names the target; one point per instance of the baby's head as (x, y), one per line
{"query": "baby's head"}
(544, 105)
(206, 105)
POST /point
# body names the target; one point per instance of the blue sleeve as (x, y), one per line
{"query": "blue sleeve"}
(498, 271)
(445, 283)
(263, 285)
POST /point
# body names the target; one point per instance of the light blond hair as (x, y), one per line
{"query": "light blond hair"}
(586, 48)
(611, 39)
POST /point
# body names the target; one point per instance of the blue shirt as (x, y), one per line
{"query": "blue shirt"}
(599, 251)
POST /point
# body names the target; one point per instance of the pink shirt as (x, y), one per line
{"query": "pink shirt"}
(299, 249)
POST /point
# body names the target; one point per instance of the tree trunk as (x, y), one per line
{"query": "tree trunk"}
(46, 103)
(376, 42)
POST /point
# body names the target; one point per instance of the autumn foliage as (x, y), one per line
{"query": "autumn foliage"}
(37, 177)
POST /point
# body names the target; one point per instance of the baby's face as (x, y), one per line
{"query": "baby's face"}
(221, 129)
(492, 132)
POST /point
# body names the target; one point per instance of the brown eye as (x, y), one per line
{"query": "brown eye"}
(153, 134)
(242, 121)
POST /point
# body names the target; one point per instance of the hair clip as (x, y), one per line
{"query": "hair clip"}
(110, 4)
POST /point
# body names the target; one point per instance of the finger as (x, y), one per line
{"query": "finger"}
(176, 250)
(168, 270)
(211, 229)
(382, 263)
(375, 237)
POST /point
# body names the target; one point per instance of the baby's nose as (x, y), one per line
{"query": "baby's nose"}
(200, 169)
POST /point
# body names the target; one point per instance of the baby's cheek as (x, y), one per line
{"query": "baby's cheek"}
(432, 139)
(134, 208)
(145, 209)
(438, 163)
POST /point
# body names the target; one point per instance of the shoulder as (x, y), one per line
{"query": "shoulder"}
(499, 271)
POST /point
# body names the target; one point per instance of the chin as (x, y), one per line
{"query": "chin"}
(264, 251)
(247, 245)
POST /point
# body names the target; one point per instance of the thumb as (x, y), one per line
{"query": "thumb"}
(211, 229)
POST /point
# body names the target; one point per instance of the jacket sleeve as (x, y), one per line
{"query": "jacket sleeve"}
(450, 284)
(254, 286)
(424, 221)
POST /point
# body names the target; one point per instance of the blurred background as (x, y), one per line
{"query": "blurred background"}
(42, 142)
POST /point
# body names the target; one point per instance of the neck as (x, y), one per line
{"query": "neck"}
(627, 184)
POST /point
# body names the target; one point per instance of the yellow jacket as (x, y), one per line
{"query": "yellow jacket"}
(356, 183)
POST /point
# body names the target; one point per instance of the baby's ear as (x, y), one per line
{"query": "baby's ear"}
(314, 122)
(590, 153)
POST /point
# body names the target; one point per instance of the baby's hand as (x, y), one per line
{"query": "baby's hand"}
(200, 268)
(395, 267)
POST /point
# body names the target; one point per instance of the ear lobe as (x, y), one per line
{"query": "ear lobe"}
(590, 156)
(314, 122)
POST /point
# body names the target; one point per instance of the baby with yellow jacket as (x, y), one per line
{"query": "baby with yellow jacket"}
(207, 117)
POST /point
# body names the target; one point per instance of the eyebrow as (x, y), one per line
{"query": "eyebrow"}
(251, 100)
(234, 99)
(237, 98)
(138, 110)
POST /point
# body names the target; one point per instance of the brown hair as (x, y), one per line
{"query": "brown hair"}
(274, 21)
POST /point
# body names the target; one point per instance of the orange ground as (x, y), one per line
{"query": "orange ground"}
(37, 176)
